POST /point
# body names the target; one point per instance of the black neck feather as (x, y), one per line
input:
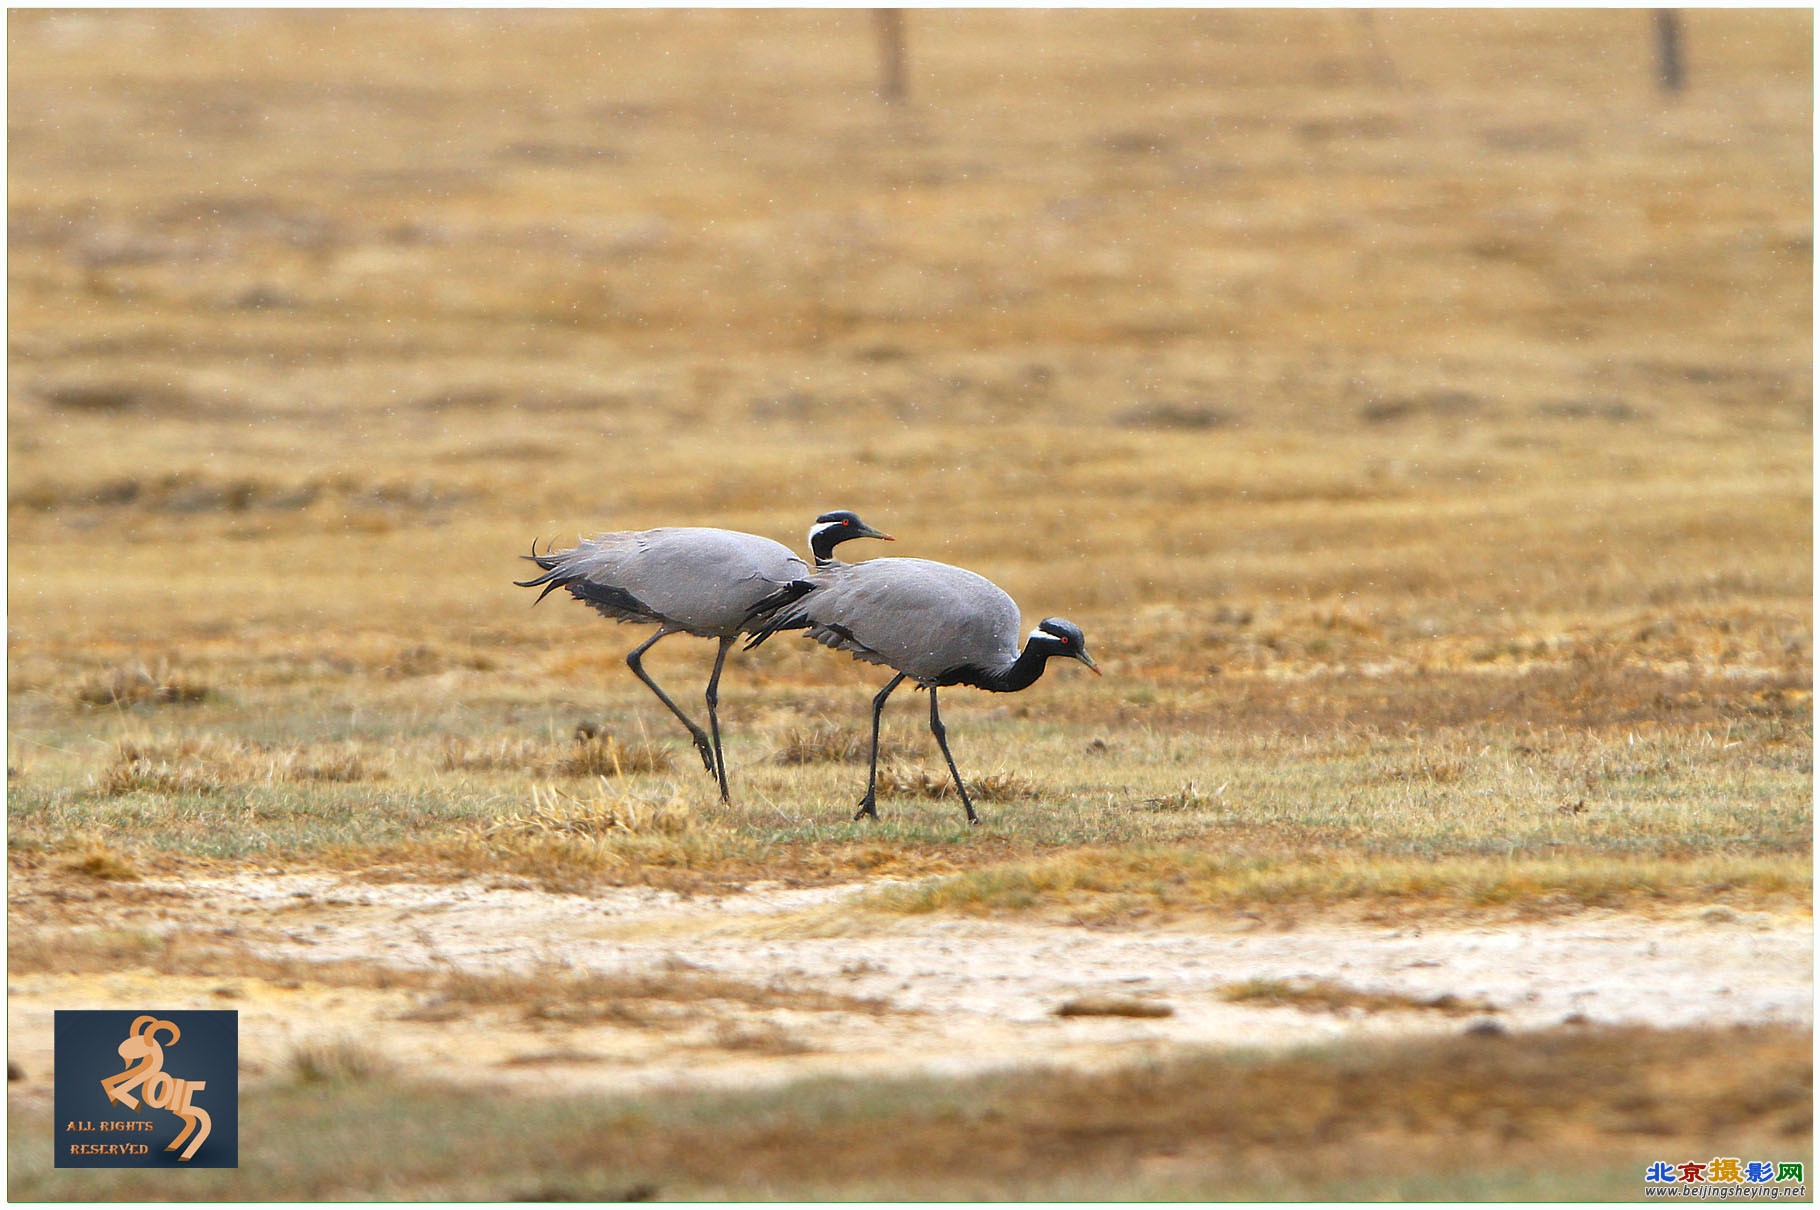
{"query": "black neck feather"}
(822, 544)
(1021, 674)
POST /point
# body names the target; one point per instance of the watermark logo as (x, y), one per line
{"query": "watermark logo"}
(1727, 1176)
(175, 1073)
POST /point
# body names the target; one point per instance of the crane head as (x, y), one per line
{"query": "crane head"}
(841, 525)
(1063, 638)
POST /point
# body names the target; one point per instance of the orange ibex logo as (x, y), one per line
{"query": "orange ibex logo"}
(145, 1065)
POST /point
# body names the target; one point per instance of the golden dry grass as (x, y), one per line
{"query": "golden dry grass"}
(1325, 995)
(1112, 1006)
(1109, 884)
(899, 782)
(556, 813)
(94, 859)
(208, 764)
(823, 741)
(138, 685)
(334, 1061)
(595, 755)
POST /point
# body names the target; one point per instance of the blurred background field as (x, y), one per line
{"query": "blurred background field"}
(1416, 414)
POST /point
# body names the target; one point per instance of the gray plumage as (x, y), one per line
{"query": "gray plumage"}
(928, 620)
(935, 624)
(706, 582)
(700, 581)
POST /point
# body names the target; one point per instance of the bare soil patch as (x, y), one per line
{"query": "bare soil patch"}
(637, 988)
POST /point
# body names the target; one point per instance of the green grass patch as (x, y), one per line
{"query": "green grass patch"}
(1133, 816)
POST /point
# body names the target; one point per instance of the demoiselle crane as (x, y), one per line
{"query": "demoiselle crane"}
(935, 624)
(703, 582)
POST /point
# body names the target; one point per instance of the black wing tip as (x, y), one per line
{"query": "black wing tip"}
(771, 610)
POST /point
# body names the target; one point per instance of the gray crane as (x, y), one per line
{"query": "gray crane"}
(705, 582)
(935, 624)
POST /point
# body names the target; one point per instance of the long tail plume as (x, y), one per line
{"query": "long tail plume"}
(552, 577)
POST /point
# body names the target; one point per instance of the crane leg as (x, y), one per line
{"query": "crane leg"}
(720, 762)
(941, 738)
(869, 804)
(695, 732)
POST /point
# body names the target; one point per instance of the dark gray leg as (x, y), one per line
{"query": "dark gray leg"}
(696, 733)
(941, 739)
(869, 804)
(720, 762)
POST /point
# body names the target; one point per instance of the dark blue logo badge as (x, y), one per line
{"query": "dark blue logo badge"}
(147, 1090)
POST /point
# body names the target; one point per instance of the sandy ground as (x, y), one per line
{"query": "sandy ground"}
(941, 995)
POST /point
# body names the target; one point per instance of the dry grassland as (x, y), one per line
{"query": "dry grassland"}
(1427, 459)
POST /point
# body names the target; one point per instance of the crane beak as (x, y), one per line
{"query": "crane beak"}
(1086, 659)
(866, 531)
